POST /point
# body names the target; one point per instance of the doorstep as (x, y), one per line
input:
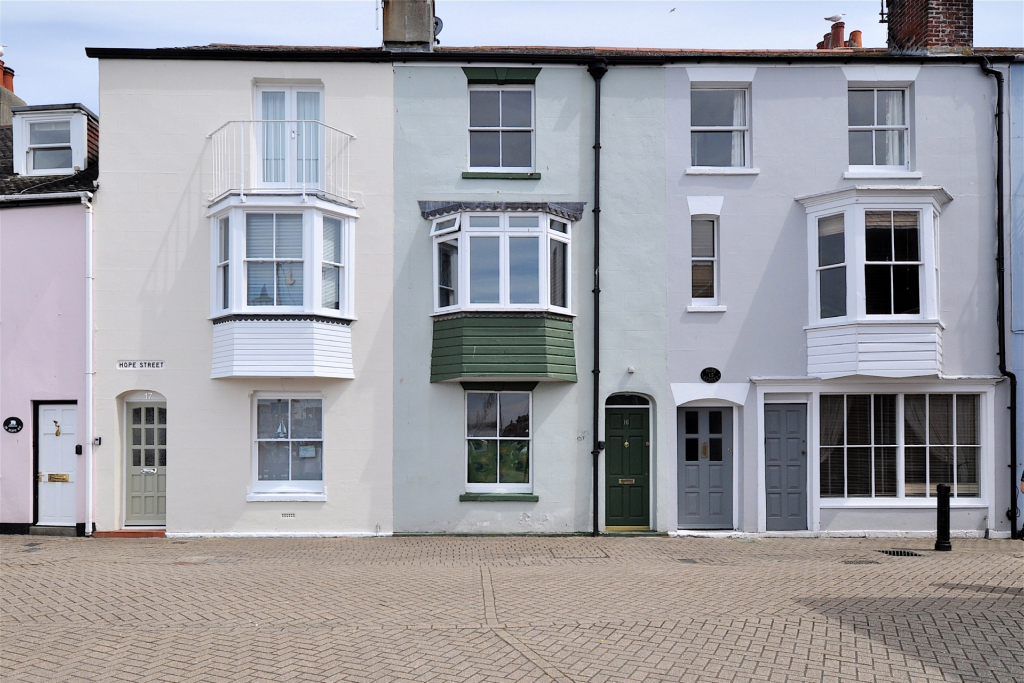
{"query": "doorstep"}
(130, 533)
(36, 530)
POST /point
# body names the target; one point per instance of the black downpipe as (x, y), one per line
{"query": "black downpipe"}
(597, 70)
(986, 66)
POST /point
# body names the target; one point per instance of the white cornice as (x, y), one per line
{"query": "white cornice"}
(934, 193)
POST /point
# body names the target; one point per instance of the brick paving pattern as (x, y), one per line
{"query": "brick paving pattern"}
(509, 609)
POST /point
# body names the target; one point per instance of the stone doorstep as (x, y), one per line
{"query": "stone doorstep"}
(36, 530)
(130, 533)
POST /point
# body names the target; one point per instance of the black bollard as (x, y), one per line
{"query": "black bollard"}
(942, 520)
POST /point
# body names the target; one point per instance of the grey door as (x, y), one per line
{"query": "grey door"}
(146, 466)
(704, 463)
(785, 466)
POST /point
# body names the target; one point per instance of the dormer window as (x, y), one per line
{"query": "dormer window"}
(49, 145)
(52, 140)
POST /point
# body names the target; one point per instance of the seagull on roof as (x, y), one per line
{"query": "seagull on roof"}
(834, 18)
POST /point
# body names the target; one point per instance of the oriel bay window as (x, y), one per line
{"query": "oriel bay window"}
(498, 441)
(499, 261)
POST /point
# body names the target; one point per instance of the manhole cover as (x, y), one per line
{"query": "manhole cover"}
(686, 560)
(860, 561)
(900, 553)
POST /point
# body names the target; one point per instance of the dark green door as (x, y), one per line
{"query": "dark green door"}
(627, 468)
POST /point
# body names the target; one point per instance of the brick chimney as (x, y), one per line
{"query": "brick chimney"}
(409, 25)
(928, 27)
(7, 97)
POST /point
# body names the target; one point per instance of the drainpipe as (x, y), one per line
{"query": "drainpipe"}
(597, 70)
(90, 372)
(986, 66)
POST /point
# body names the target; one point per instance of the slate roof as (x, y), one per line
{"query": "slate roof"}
(11, 184)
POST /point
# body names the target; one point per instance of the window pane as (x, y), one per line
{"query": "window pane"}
(150, 456)
(710, 148)
(523, 221)
(514, 463)
(481, 414)
(967, 420)
(483, 108)
(914, 419)
(331, 286)
(703, 286)
(516, 149)
(483, 270)
(831, 472)
(485, 221)
(161, 436)
(691, 450)
(515, 414)
(484, 149)
(858, 419)
(307, 418)
(260, 287)
(885, 471)
(831, 240)
(905, 235)
(136, 457)
(307, 461)
(223, 240)
(702, 238)
(289, 283)
(858, 472)
(967, 471)
(58, 157)
(832, 422)
(288, 236)
(906, 290)
(448, 273)
(878, 243)
(890, 108)
(715, 421)
(274, 137)
(833, 292)
(150, 436)
(272, 461)
(516, 109)
(914, 471)
(861, 107)
(889, 147)
(717, 108)
(271, 418)
(523, 270)
(136, 437)
(332, 240)
(161, 416)
(49, 133)
(885, 419)
(940, 468)
(136, 416)
(860, 148)
(259, 235)
(715, 446)
(877, 289)
(559, 254)
(559, 226)
(692, 417)
(150, 416)
(940, 419)
(162, 457)
(482, 456)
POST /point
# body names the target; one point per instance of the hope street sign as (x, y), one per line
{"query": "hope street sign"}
(140, 365)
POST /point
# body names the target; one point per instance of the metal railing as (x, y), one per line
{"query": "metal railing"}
(269, 157)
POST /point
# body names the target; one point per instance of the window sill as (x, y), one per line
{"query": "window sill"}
(705, 309)
(285, 497)
(498, 175)
(882, 174)
(722, 170)
(498, 497)
(924, 503)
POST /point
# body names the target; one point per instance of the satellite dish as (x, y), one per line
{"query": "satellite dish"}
(438, 25)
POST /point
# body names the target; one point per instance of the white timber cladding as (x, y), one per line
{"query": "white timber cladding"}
(282, 348)
(905, 349)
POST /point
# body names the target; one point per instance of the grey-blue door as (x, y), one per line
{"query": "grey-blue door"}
(785, 466)
(704, 463)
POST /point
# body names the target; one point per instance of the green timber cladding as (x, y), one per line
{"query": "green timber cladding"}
(514, 345)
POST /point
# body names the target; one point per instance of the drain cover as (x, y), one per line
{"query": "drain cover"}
(686, 560)
(900, 553)
(859, 561)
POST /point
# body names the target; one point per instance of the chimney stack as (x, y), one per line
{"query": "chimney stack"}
(409, 25)
(928, 27)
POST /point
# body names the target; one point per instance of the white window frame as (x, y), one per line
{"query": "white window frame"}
(462, 231)
(905, 166)
(532, 130)
(290, 121)
(260, 488)
(704, 302)
(746, 129)
(498, 487)
(312, 259)
(21, 140)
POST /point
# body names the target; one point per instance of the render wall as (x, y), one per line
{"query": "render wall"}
(42, 337)
(152, 298)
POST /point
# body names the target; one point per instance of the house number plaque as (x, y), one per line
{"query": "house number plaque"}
(710, 375)
(13, 425)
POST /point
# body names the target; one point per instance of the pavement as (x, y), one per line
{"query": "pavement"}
(523, 608)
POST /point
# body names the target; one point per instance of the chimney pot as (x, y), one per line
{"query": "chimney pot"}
(855, 39)
(837, 39)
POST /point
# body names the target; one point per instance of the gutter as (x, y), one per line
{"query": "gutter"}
(1012, 513)
(597, 70)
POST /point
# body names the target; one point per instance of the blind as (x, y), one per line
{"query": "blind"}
(259, 235)
(332, 240)
(702, 238)
(288, 237)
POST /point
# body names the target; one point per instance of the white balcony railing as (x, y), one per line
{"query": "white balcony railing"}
(271, 157)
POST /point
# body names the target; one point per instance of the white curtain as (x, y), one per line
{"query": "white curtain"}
(307, 106)
(274, 138)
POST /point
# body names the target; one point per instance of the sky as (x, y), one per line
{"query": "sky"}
(45, 40)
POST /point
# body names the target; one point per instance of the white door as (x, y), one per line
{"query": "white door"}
(58, 464)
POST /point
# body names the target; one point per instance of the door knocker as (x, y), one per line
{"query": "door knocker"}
(57, 427)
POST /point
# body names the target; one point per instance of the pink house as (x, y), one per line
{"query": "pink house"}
(48, 171)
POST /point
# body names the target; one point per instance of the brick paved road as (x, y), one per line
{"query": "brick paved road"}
(509, 609)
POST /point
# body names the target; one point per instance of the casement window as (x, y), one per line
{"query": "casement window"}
(501, 128)
(704, 269)
(281, 260)
(496, 261)
(498, 441)
(878, 127)
(899, 445)
(288, 445)
(289, 135)
(719, 127)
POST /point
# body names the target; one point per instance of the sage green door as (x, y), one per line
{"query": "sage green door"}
(146, 465)
(627, 468)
